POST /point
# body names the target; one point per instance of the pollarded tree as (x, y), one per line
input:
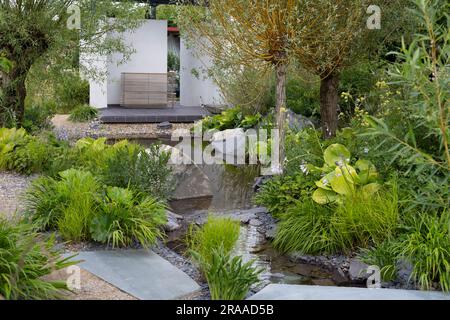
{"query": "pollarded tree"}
(269, 33)
(249, 33)
(340, 38)
(34, 31)
(325, 49)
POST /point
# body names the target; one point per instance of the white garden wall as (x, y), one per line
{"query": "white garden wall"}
(150, 43)
(195, 91)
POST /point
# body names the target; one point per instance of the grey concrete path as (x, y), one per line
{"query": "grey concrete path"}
(300, 292)
(141, 273)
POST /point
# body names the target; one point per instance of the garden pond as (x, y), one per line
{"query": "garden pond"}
(228, 190)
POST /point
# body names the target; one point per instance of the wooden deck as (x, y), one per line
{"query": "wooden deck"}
(178, 114)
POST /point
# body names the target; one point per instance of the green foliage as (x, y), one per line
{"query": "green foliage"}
(384, 255)
(167, 12)
(21, 152)
(308, 228)
(427, 247)
(229, 278)
(211, 246)
(38, 117)
(71, 92)
(77, 206)
(283, 192)
(302, 95)
(230, 119)
(216, 233)
(25, 258)
(356, 222)
(418, 145)
(124, 218)
(5, 64)
(146, 170)
(68, 204)
(83, 113)
(173, 62)
(341, 179)
(92, 153)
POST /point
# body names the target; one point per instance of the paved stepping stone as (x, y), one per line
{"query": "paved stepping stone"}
(299, 292)
(141, 273)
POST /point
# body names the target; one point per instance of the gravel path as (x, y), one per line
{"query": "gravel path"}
(12, 186)
(68, 130)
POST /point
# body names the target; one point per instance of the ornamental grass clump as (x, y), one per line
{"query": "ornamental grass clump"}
(25, 259)
(211, 246)
(124, 218)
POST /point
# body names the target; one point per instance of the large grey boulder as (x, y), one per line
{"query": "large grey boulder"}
(229, 142)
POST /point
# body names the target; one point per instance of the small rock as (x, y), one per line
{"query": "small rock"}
(259, 182)
(255, 222)
(172, 222)
(297, 121)
(339, 277)
(357, 270)
(271, 232)
(405, 269)
(164, 125)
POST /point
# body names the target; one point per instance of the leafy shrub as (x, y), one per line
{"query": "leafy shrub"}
(216, 233)
(83, 113)
(427, 247)
(71, 91)
(123, 218)
(229, 278)
(303, 98)
(30, 158)
(283, 192)
(25, 259)
(147, 171)
(38, 117)
(341, 179)
(68, 204)
(419, 144)
(92, 154)
(167, 12)
(21, 152)
(173, 62)
(231, 119)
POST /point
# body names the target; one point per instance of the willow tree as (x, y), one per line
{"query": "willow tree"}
(249, 33)
(340, 38)
(34, 31)
(325, 49)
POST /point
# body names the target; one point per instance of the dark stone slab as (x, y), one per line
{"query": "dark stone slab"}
(116, 114)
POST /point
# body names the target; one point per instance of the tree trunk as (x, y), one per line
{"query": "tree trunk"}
(281, 111)
(14, 94)
(329, 105)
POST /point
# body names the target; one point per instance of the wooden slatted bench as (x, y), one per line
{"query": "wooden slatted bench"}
(144, 90)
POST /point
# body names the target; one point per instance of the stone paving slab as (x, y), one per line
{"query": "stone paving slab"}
(302, 292)
(115, 114)
(140, 273)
